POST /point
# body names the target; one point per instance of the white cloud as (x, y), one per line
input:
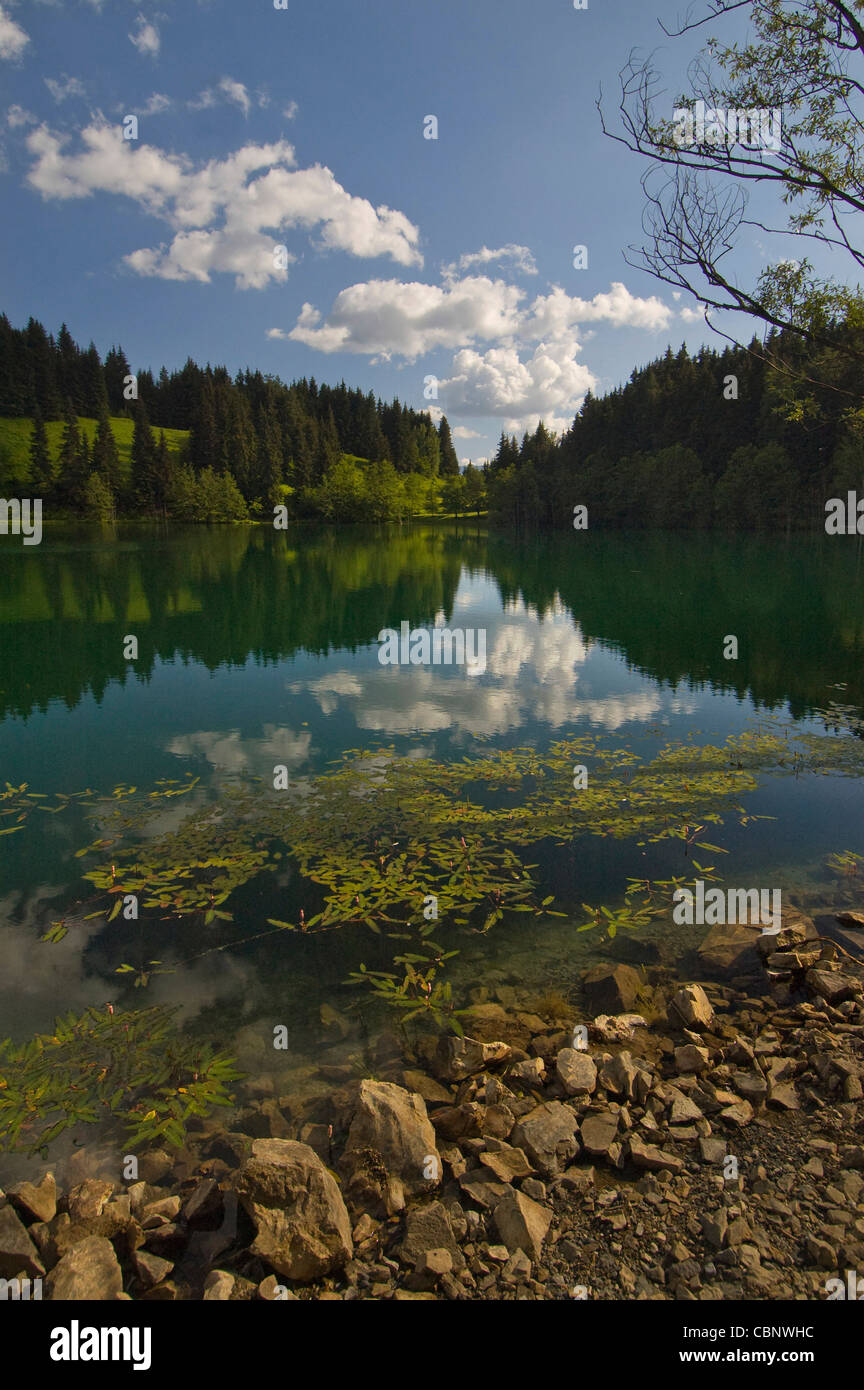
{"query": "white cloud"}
(13, 39)
(146, 38)
(528, 372)
(290, 111)
(461, 432)
(63, 88)
(549, 384)
(155, 105)
(220, 213)
(387, 318)
(18, 115)
(691, 315)
(520, 257)
(558, 312)
(227, 89)
(391, 318)
(278, 333)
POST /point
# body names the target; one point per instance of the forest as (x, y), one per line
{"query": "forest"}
(754, 438)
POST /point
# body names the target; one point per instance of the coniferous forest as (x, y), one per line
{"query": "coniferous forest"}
(748, 438)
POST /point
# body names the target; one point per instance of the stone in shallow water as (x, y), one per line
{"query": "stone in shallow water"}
(303, 1230)
(612, 988)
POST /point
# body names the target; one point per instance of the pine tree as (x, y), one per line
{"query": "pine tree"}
(142, 483)
(449, 465)
(41, 467)
(116, 370)
(106, 459)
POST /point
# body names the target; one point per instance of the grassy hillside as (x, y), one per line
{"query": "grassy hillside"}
(15, 442)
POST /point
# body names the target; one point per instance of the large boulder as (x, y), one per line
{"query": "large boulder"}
(302, 1225)
(89, 1271)
(395, 1124)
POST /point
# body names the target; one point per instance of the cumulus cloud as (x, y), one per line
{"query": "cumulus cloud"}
(530, 372)
(13, 39)
(462, 432)
(387, 318)
(146, 38)
(64, 87)
(226, 213)
(520, 258)
(521, 391)
(693, 315)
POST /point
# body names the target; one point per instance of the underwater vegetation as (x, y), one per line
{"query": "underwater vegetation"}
(134, 1065)
(393, 845)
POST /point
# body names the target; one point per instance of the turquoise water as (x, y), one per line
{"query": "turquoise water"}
(259, 648)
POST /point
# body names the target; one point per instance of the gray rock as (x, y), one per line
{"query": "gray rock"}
(457, 1058)
(548, 1136)
(35, 1200)
(18, 1254)
(88, 1271)
(507, 1163)
(692, 1006)
(218, 1286)
(576, 1072)
(522, 1224)
(654, 1159)
(429, 1228)
(393, 1122)
(612, 988)
(598, 1132)
(691, 1059)
(832, 986)
(303, 1230)
(618, 1075)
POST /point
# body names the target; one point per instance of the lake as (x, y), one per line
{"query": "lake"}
(259, 649)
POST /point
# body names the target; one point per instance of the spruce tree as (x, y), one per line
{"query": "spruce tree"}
(106, 459)
(449, 465)
(142, 489)
(41, 467)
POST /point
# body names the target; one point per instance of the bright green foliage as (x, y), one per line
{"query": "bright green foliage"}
(133, 1066)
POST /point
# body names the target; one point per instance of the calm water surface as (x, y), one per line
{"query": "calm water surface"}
(259, 648)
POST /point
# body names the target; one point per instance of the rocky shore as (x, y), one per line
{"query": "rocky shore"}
(659, 1139)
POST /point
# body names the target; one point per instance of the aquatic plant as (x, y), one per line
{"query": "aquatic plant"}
(134, 1067)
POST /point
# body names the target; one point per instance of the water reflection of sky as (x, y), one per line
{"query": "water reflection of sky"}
(542, 681)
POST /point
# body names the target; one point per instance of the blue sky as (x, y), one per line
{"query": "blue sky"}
(406, 257)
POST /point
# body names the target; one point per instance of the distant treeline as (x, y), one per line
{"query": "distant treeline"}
(743, 439)
(755, 438)
(253, 441)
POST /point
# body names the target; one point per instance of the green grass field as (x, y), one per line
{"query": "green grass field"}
(15, 442)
